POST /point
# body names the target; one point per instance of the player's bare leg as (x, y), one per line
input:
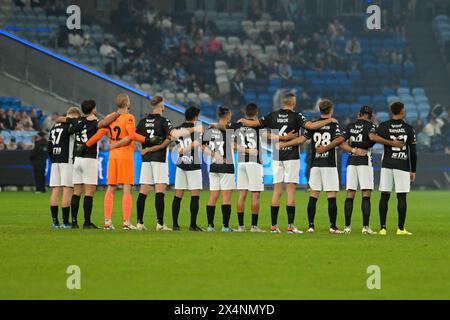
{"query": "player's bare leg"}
(313, 197)
(194, 207)
(332, 212)
(54, 206)
(78, 190)
(226, 210)
(275, 206)
(65, 207)
(241, 209)
(160, 190)
(140, 206)
(348, 209)
(291, 189)
(176, 205)
(211, 209)
(108, 206)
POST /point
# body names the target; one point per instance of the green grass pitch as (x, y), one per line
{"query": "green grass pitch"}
(150, 265)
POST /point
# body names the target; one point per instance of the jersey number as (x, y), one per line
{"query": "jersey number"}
(358, 138)
(322, 139)
(118, 131)
(399, 138)
(217, 146)
(248, 140)
(56, 135)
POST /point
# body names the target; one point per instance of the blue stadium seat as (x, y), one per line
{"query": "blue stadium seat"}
(383, 116)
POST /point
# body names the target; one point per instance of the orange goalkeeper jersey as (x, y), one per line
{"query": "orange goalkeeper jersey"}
(123, 127)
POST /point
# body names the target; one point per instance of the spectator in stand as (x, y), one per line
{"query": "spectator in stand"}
(2, 143)
(10, 121)
(383, 56)
(36, 120)
(25, 121)
(209, 27)
(434, 127)
(236, 61)
(107, 50)
(237, 90)
(104, 147)
(305, 102)
(285, 73)
(353, 47)
(182, 76)
(214, 46)
(2, 119)
(292, 10)
(12, 145)
(396, 57)
(265, 37)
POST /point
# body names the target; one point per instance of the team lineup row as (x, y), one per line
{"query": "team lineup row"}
(73, 151)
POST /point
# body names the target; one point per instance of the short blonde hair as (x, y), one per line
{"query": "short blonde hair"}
(122, 100)
(74, 111)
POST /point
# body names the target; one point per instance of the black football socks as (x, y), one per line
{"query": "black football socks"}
(54, 211)
(384, 202)
(401, 207)
(348, 209)
(274, 215)
(87, 207)
(176, 204)
(290, 210)
(75, 205)
(159, 206)
(332, 212)
(140, 207)
(366, 208)
(226, 213)
(194, 210)
(241, 219)
(210, 212)
(312, 211)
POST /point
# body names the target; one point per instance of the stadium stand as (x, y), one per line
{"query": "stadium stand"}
(212, 58)
(19, 124)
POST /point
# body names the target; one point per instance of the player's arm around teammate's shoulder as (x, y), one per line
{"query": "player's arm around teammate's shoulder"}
(110, 118)
(97, 137)
(316, 125)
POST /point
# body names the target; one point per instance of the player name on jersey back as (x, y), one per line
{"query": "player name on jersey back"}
(397, 158)
(358, 133)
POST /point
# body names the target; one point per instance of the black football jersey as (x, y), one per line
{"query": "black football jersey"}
(61, 143)
(83, 130)
(155, 126)
(248, 138)
(358, 133)
(221, 142)
(285, 121)
(191, 160)
(323, 137)
(397, 158)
